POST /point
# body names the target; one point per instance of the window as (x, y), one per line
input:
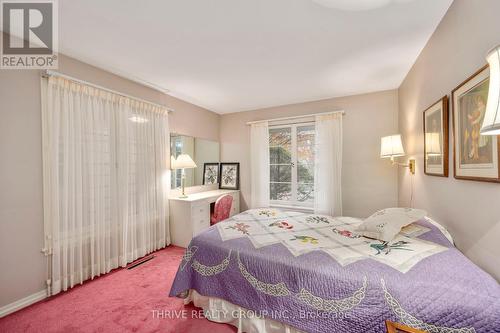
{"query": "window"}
(291, 152)
(176, 150)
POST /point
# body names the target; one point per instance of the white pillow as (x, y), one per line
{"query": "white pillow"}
(387, 223)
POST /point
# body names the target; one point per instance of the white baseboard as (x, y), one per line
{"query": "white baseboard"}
(22, 303)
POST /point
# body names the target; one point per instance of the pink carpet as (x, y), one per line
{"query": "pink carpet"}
(121, 301)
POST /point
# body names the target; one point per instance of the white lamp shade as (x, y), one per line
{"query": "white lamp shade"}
(432, 144)
(183, 161)
(391, 146)
(491, 122)
(172, 162)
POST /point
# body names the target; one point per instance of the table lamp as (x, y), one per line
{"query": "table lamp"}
(183, 162)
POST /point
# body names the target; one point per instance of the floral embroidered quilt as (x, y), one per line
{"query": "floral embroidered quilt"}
(301, 233)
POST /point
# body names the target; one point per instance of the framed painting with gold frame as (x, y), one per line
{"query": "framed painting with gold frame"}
(436, 139)
(476, 156)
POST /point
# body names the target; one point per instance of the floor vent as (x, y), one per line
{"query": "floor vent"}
(140, 262)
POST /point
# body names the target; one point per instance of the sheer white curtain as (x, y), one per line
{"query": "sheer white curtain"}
(328, 165)
(106, 183)
(143, 153)
(259, 165)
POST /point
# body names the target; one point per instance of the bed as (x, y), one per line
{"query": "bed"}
(293, 271)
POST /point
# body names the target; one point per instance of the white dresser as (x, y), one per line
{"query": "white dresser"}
(189, 216)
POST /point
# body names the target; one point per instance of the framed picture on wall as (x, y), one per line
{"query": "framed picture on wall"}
(475, 155)
(229, 176)
(210, 173)
(436, 139)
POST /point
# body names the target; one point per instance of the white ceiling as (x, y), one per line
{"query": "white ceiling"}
(236, 55)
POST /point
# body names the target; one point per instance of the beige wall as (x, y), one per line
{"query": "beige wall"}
(23, 267)
(204, 152)
(368, 182)
(469, 209)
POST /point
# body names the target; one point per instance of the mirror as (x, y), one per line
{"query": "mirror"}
(200, 150)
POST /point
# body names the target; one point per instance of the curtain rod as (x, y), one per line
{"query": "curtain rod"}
(48, 73)
(295, 117)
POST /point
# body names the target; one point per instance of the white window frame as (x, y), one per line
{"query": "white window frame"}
(177, 173)
(293, 203)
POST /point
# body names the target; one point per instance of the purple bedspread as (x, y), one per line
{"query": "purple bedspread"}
(443, 292)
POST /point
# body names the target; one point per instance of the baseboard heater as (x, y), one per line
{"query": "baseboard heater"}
(138, 262)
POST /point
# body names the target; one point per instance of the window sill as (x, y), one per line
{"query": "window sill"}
(294, 208)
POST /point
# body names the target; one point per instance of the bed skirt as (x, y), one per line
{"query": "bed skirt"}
(248, 321)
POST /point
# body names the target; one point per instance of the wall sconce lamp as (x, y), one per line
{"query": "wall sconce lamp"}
(491, 122)
(432, 144)
(392, 147)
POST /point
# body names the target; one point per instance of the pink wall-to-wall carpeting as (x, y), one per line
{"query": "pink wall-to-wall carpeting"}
(122, 301)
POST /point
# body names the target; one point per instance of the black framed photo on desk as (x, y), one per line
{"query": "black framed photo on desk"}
(229, 176)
